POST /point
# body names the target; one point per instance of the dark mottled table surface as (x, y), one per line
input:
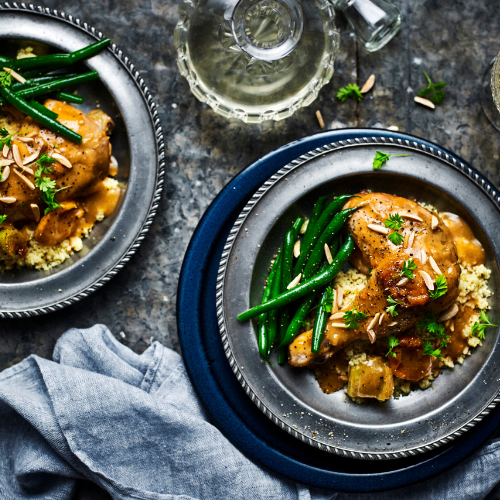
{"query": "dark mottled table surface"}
(453, 40)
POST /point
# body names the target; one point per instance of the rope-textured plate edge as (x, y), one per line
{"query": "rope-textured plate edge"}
(479, 181)
(160, 172)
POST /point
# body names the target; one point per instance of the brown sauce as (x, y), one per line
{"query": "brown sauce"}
(469, 249)
(332, 375)
(457, 341)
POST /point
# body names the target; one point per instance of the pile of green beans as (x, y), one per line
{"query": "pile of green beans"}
(281, 314)
(40, 83)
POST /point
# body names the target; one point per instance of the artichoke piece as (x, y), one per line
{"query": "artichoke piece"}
(371, 378)
(13, 243)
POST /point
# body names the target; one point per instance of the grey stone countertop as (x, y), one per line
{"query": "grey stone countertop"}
(453, 40)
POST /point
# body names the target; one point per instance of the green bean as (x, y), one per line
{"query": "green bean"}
(263, 336)
(39, 80)
(319, 322)
(273, 314)
(326, 237)
(57, 85)
(57, 61)
(286, 278)
(319, 227)
(42, 109)
(39, 116)
(308, 286)
(64, 96)
(318, 208)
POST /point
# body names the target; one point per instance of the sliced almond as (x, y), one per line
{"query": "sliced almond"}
(340, 296)
(5, 151)
(402, 282)
(423, 256)
(411, 238)
(427, 279)
(5, 174)
(373, 321)
(394, 323)
(335, 307)
(320, 119)
(434, 222)
(8, 199)
(36, 211)
(368, 84)
(382, 316)
(371, 335)
(434, 266)
(328, 254)
(379, 228)
(62, 160)
(296, 249)
(25, 139)
(24, 179)
(294, 282)
(338, 325)
(15, 75)
(31, 158)
(424, 102)
(452, 326)
(449, 313)
(411, 216)
(407, 237)
(4, 163)
(337, 315)
(17, 155)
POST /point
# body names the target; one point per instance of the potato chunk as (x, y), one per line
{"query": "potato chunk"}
(371, 378)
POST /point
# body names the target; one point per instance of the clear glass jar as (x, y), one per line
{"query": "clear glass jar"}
(256, 60)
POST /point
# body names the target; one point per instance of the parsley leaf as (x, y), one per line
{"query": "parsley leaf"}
(430, 351)
(351, 90)
(478, 328)
(435, 89)
(350, 318)
(46, 185)
(44, 163)
(436, 330)
(391, 309)
(381, 158)
(5, 79)
(5, 138)
(408, 266)
(327, 302)
(394, 221)
(441, 287)
(2, 218)
(396, 238)
(393, 342)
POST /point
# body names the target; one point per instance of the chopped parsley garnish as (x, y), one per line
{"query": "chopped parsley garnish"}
(327, 302)
(5, 79)
(479, 327)
(396, 238)
(441, 287)
(5, 138)
(435, 329)
(2, 218)
(393, 342)
(351, 90)
(435, 89)
(381, 158)
(430, 351)
(391, 309)
(394, 222)
(408, 266)
(46, 185)
(350, 318)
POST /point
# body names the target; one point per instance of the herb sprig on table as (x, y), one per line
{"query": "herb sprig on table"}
(351, 90)
(434, 91)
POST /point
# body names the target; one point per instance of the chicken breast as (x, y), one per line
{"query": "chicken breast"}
(433, 252)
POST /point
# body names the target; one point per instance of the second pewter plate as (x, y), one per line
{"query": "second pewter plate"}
(291, 398)
(137, 144)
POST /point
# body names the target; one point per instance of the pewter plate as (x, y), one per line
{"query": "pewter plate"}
(137, 144)
(291, 398)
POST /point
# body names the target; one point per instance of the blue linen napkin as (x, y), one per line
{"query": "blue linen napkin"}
(133, 425)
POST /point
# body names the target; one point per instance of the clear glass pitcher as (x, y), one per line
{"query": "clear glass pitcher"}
(256, 60)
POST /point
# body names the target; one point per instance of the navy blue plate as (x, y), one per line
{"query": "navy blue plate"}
(231, 409)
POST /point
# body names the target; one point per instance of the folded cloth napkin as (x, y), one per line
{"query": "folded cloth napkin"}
(133, 425)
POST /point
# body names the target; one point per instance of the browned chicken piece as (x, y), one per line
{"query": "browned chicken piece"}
(386, 260)
(80, 172)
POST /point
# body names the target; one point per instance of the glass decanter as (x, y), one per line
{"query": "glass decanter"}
(256, 60)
